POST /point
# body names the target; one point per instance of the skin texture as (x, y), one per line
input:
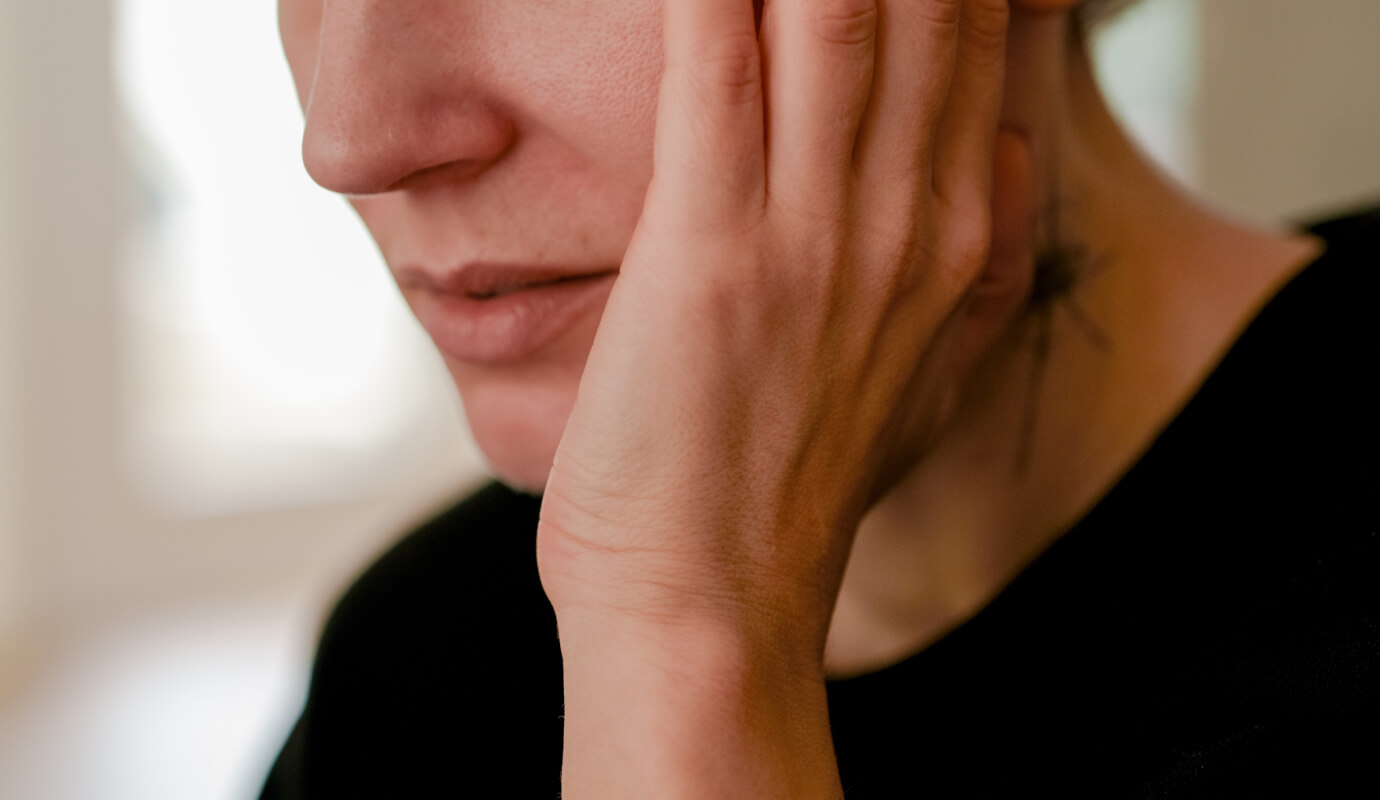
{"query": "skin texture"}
(460, 134)
(792, 526)
(795, 290)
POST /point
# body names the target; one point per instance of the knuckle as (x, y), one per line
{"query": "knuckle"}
(845, 22)
(731, 69)
(970, 243)
(904, 261)
(985, 24)
(823, 218)
(944, 14)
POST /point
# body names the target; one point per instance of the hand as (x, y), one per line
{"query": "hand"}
(774, 348)
(787, 331)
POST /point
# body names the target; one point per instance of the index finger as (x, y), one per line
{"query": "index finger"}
(709, 148)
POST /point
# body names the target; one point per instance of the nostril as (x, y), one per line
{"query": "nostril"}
(409, 151)
(374, 135)
(335, 165)
(392, 102)
(441, 174)
(343, 151)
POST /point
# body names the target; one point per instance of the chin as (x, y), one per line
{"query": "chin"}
(517, 420)
(517, 412)
(522, 471)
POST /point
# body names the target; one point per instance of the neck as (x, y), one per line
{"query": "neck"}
(1076, 390)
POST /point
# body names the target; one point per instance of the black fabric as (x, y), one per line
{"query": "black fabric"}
(1210, 629)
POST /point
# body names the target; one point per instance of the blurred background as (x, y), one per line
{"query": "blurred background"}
(215, 408)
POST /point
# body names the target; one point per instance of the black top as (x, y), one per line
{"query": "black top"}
(1211, 628)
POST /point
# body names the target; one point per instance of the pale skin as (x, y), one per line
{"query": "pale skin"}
(784, 451)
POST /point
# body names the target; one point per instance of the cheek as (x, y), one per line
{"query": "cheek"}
(592, 77)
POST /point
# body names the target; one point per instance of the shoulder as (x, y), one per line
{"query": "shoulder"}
(437, 668)
(1298, 384)
(1359, 227)
(1278, 457)
(453, 605)
(474, 564)
(1234, 568)
(1337, 294)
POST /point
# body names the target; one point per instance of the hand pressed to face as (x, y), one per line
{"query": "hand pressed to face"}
(788, 328)
(782, 335)
(786, 334)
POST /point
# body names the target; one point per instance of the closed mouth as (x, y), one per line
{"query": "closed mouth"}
(517, 287)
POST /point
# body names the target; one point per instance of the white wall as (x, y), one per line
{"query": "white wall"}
(1289, 114)
(90, 549)
(13, 590)
(141, 656)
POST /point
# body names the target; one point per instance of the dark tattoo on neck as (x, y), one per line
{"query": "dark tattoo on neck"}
(1060, 268)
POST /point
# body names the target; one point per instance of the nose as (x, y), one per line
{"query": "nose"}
(393, 104)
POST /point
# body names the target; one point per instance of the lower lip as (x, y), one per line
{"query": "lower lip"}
(511, 327)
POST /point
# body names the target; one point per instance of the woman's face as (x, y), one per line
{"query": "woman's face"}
(515, 131)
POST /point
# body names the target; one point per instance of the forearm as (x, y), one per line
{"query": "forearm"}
(682, 715)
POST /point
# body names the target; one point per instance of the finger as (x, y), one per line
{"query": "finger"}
(967, 135)
(819, 70)
(1013, 213)
(1003, 287)
(915, 65)
(709, 150)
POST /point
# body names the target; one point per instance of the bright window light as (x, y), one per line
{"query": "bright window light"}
(1147, 63)
(272, 361)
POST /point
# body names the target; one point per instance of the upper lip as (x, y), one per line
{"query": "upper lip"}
(487, 277)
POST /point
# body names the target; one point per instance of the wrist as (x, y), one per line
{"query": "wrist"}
(651, 603)
(718, 649)
(691, 711)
